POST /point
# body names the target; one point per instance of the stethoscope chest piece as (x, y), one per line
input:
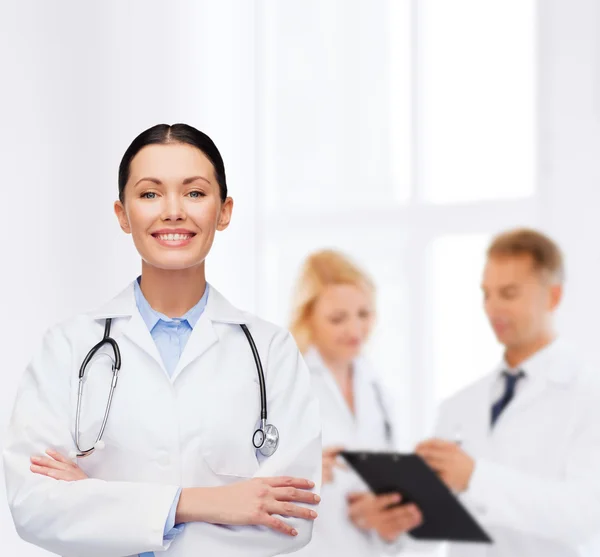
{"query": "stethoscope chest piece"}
(266, 439)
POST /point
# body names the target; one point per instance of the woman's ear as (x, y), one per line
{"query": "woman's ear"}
(225, 214)
(122, 217)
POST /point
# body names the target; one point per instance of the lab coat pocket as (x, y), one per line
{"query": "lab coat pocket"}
(226, 434)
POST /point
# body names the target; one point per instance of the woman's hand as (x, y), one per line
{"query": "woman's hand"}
(250, 502)
(330, 461)
(56, 466)
(254, 501)
(375, 512)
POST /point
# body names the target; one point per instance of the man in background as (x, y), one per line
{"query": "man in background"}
(528, 464)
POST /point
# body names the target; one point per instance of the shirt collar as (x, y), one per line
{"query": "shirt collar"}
(315, 363)
(151, 317)
(218, 308)
(555, 362)
(313, 360)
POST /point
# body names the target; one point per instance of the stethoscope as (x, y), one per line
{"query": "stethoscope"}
(265, 439)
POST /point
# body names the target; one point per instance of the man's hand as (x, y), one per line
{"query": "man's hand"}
(452, 464)
(372, 512)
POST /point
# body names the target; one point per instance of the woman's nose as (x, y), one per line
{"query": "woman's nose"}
(355, 328)
(173, 208)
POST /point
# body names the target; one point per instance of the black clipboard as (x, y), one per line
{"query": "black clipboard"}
(444, 517)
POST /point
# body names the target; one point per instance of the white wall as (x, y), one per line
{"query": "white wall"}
(80, 80)
(321, 111)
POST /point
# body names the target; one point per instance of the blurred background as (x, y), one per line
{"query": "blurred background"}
(403, 132)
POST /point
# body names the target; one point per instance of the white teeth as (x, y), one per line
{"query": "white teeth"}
(174, 237)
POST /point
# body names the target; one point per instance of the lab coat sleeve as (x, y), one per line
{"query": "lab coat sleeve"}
(404, 543)
(566, 511)
(87, 517)
(294, 411)
(171, 529)
(388, 548)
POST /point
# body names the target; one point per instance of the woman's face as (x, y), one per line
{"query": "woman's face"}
(172, 206)
(340, 322)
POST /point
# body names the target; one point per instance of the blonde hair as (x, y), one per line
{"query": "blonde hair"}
(321, 269)
(546, 255)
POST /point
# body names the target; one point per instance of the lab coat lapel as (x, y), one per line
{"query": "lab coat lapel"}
(204, 335)
(473, 432)
(124, 306)
(548, 369)
(339, 398)
(369, 404)
(532, 390)
(465, 419)
(315, 362)
(137, 331)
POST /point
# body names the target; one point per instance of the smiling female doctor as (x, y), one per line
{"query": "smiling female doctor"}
(182, 471)
(332, 318)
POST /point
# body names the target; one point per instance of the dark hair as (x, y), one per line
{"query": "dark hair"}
(163, 134)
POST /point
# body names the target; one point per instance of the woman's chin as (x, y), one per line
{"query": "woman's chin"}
(173, 262)
(348, 354)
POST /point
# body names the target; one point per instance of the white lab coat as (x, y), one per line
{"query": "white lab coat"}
(194, 429)
(536, 483)
(334, 534)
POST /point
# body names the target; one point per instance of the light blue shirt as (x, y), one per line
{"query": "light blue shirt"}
(170, 336)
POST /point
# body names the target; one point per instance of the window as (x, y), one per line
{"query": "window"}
(476, 68)
(336, 129)
(402, 133)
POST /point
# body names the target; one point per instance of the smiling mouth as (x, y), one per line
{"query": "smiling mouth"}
(174, 237)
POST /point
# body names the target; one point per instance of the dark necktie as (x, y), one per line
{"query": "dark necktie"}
(510, 383)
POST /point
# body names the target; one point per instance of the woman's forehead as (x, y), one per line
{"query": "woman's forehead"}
(172, 160)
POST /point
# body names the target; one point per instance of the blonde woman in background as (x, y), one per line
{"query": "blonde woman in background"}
(333, 314)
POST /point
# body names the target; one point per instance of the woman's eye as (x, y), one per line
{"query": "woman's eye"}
(149, 195)
(196, 194)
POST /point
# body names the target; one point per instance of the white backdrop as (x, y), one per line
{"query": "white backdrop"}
(404, 132)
